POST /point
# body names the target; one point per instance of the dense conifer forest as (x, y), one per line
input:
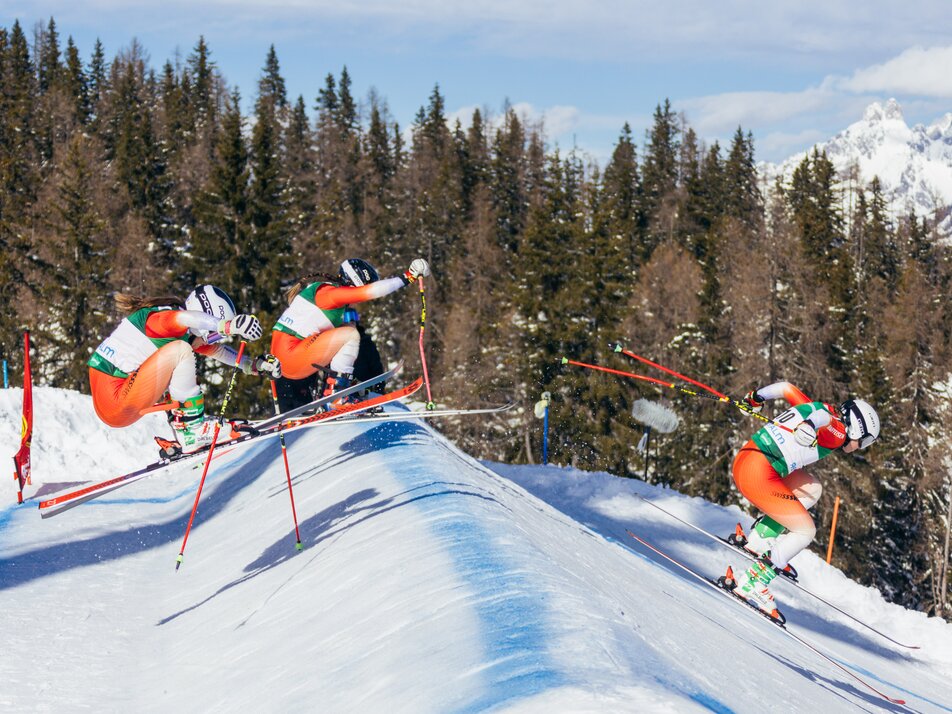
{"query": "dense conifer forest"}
(119, 176)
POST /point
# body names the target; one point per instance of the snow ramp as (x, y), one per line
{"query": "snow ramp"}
(427, 583)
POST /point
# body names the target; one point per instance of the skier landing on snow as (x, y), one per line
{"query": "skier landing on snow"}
(769, 472)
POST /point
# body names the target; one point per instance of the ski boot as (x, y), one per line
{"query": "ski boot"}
(335, 382)
(760, 540)
(193, 430)
(751, 586)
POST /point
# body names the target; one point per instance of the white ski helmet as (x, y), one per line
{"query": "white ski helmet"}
(862, 421)
(357, 272)
(211, 300)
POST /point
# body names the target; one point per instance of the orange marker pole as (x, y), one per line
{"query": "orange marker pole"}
(836, 511)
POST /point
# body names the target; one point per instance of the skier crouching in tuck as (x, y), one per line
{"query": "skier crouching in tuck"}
(314, 333)
(769, 472)
(152, 352)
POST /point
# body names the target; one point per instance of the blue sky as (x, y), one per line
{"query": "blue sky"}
(791, 73)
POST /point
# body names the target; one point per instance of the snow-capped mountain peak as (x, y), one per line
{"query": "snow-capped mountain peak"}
(914, 164)
(942, 129)
(891, 111)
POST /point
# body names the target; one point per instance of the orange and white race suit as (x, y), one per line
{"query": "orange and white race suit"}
(150, 352)
(769, 469)
(312, 333)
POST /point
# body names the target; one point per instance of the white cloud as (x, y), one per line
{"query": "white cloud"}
(782, 144)
(779, 117)
(918, 70)
(720, 113)
(810, 31)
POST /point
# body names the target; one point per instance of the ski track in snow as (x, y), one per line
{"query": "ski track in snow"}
(428, 582)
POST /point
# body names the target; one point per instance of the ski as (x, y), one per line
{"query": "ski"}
(796, 583)
(777, 623)
(319, 403)
(346, 410)
(65, 501)
(422, 414)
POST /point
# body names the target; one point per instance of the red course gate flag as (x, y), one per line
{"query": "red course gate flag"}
(21, 461)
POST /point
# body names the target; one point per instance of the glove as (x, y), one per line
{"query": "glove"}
(805, 434)
(753, 402)
(266, 366)
(418, 268)
(245, 326)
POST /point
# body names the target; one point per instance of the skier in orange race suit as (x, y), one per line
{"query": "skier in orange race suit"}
(769, 472)
(312, 333)
(153, 351)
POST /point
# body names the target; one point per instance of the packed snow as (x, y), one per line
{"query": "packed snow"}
(428, 582)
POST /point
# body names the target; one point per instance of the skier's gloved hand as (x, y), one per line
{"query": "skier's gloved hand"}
(805, 433)
(245, 326)
(419, 268)
(266, 365)
(753, 402)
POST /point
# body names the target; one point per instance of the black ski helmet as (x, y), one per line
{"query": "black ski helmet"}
(211, 300)
(356, 272)
(862, 421)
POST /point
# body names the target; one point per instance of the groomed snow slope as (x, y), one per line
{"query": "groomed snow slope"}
(428, 583)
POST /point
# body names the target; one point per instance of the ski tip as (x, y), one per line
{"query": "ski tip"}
(178, 561)
(565, 360)
(299, 546)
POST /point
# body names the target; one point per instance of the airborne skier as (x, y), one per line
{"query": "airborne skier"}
(313, 331)
(153, 351)
(769, 472)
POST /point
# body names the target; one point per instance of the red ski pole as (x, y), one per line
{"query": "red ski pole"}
(211, 450)
(684, 390)
(630, 375)
(426, 377)
(287, 468)
(629, 353)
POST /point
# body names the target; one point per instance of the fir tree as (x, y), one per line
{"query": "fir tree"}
(620, 206)
(883, 254)
(299, 168)
(98, 80)
(271, 83)
(49, 66)
(201, 97)
(19, 178)
(77, 286)
(133, 145)
(744, 201)
(327, 102)
(508, 181)
(222, 223)
(346, 115)
(660, 175)
(76, 84)
(263, 256)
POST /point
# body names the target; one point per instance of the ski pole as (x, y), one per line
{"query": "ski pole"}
(287, 468)
(684, 390)
(629, 353)
(426, 377)
(722, 397)
(211, 450)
